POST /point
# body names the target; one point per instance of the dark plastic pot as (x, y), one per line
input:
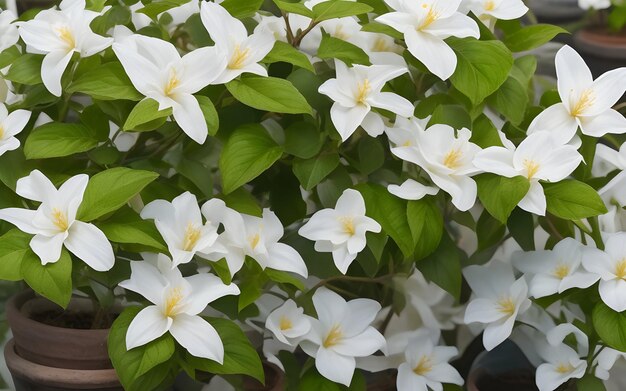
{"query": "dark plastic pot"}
(556, 11)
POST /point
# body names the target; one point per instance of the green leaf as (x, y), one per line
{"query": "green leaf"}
(269, 94)
(484, 133)
(284, 278)
(284, 52)
(242, 8)
(53, 280)
(590, 383)
(9, 55)
(335, 48)
(56, 139)
(159, 6)
(610, 326)
(391, 213)
(239, 356)
(294, 8)
(531, 37)
(443, 267)
(26, 69)
(127, 227)
(371, 155)
(426, 223)
(111, 189)
(210, 114)
(573, 200)
(310, 172)
(482, 68)
(303, 139)
(106, 82)
(511, 100)
(338, 9)
(146, 116)
(313, 381)
(14, 245)
(132, 364)
(500, 195)
(248, 153)
(521, 226)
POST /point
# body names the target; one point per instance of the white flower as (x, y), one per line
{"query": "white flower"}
(54, 223)
(10, 125)
(380, 48)
(8, 30)
(158, 72)
(555, 271)
(288, 323)
(610, 266)
(539, 157)
(405, 132)
(242, 52)
(612, 159)
(341, 333)
(256, 237)
(356, 90)
(177, 302)
(180, 224)
(59, 34)
(412, 190)
(499, 299)
(447, 159)
(346, 29)
(606, 360)
(425, 25)
(563, 363)
(426, 366)
(595, 4)
(489, 11)
(341, 230)
(585, 103)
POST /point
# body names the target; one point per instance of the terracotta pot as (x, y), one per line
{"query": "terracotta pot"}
(602, 51)
(45, 357)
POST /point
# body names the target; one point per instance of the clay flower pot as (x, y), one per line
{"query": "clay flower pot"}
(48, 358)
(602, 50)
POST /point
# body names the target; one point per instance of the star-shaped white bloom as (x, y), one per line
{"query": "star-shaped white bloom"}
(356, 90)
(341, 230)
(8, 30)
(59, 34)
(54, 223)
(425, 25)
(498, 300)
(242, 52)
(605, 361)
(490, 11)
(610, 266)
(562, 363)
(615, 190)
(585, 103)
(288, 323)
(594, 4)
(158, 72)
(10, 125)
(177, 302)
(448, 159)
(540, 157)
(341, 333)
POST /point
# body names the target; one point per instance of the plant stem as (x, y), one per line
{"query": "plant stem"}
(298, 39)
(367, 280)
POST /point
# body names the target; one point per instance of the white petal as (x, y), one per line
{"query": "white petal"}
(330, 307)
(52, 68)
(613, 293)
(497, 160)
(482, 311)
(351, 203)
(148, 325)
(190, 118)
(373, 124)
(286, 258)
(608, 88)
(21, 218)
(433, 52)
(347, 119)
(557, 120)
(198, 337)
(201, 67)
(144, 74)
(560, 163)
(362, 345)
(392, 102)
(535, 200)
(48, 248)
(335, 367)
(548, 379)
(573, 74)
(496, 333)
(343, 258)
(207, 288)
(412, 190)
(361, 314)
(408, 380)
(146, 280)
(398, 20)
(222, 27)
(15, 122)
(610, 121)
(463, 190)
(457, 25)
(90, 244)
(333, 90)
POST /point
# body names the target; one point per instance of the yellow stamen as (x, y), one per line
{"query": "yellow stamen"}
(506, 306)
(532, 167)
(380, 45)
(192, 235)
(285, 323)
(424, 366)
(564, 368)
(174, 297)
(59, 218)
(238, 58)
(340, 34)
(431, 16)
(364, 90)
(254, 241)
(66, 35)
(1, 132)
(452, 159)
(490, 5)
(561, 271)
(407, 143)
(620, 269)
(172, 83)
(334, 337)
(348, 225)
(586, 100)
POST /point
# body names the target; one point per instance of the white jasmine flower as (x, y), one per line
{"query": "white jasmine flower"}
(180, 224)
(615, 190)
(595, 4)
(59, 34)
(356, 90)
(346, 29)
(405, 132)
(447, 158)
(425, 25)
(605, 361)
(341, 230)
(158, 72)
(288, 323)
(555, 271)
(412, 190)
(177, 302)
(563, 363)
(242, 52)
(8, 30)
(489, 11)
(540, 157)
(10, 125)
(380, 48)
(341, 333)
(54, 223)
(498, 300)
(585, 103)
(610, 266)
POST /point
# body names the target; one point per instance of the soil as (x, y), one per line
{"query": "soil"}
(78, 320)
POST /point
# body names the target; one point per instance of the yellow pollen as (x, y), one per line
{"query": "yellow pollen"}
(192, 235)
(380, 45)
(172, 83)
(424, 366)
(1, 132)
(431, 16)
(59, 218)
(340, 34)
(564, 368)
(334, 337)
(173, 298)
(490, 5)
(348, 225)
(452, 159)
(254, 241)
(285, 323)
(586, 100)
(364, 90)
(532, 168)
(407, 143)
(561, 271)
(66, 35)
(620, 269)
(506, 306)
(238, 58)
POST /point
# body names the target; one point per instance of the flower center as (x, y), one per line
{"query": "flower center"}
(506, 306)
(532, 167)
(431, 16)
(363, 91)
(192, 235)
(452, 159)
(174, 297)
(586, 100)
(238, 58)
(561, 271)
(348, 225)
(424, 366)
(66, 36)
(285, 323)
(340, 34)
(564, 368)
(490, 5)
(254, 240)
(334, 337)
(380, 45)
(59, 219)
(172, 83)
(1, 132)
(620, 269)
